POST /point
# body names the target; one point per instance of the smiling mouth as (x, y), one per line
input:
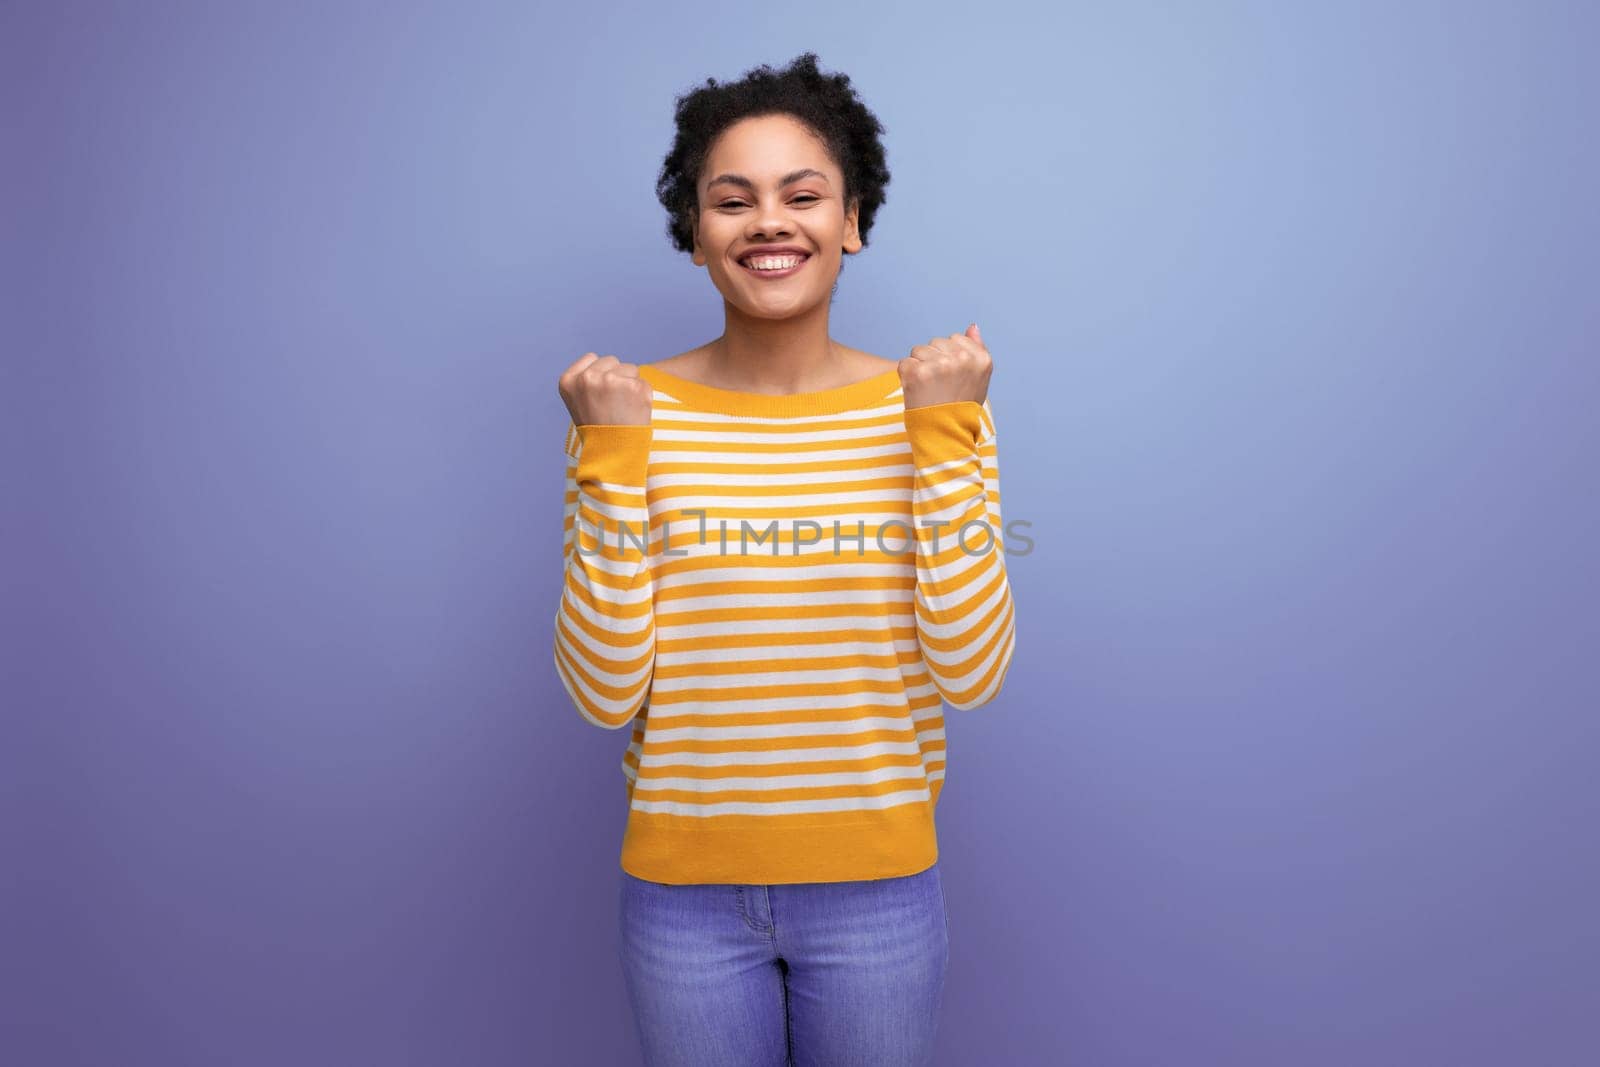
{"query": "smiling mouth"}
(773, 266)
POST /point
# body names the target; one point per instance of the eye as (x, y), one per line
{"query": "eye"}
(805, 198)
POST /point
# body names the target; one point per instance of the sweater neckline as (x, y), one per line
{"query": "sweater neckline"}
(733, 402)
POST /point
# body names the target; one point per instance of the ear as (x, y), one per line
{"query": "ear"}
(852, 232)
(698, 256)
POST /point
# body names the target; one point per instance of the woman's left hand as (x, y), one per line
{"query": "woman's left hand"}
(947, 369)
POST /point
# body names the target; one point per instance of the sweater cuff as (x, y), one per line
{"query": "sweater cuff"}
(942, 432)
(619, 454)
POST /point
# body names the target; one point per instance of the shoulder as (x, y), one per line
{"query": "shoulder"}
(866, 365)
(686, 365)
(877, 364)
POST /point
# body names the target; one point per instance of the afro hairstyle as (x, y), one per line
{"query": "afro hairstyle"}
(825, 103)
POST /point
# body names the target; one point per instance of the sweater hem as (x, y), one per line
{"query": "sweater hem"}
(772, 850)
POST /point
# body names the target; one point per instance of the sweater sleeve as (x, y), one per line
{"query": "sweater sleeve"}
(964, 614)
(605, 633)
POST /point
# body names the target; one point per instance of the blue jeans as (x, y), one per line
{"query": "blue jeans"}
(828, 973)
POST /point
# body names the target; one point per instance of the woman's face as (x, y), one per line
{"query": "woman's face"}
(770, 181)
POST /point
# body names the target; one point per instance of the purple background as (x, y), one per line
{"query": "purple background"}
(1294, 319)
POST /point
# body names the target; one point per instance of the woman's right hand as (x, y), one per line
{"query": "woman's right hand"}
(604, 391)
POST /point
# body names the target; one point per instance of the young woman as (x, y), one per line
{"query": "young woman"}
(782, 557)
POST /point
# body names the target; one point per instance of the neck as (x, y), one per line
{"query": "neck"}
(777, 356)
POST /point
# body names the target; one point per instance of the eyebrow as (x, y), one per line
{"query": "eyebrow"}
(788, 179)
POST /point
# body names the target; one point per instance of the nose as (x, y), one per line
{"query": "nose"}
(768, 222)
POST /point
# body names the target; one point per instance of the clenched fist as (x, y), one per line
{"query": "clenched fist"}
(947, 369)
(604, 391)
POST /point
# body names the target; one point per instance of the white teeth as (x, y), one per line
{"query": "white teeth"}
(772, 262)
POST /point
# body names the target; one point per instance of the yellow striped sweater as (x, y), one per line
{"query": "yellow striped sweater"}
(748, 595)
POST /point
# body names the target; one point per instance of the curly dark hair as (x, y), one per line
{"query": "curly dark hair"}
(824, 102)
